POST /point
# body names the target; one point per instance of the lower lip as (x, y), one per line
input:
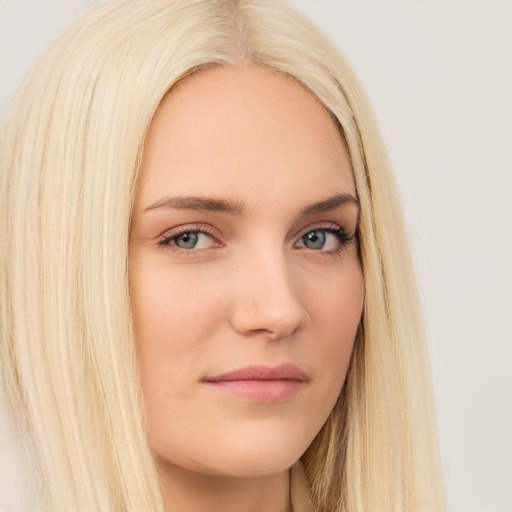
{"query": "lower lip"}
(260, 390)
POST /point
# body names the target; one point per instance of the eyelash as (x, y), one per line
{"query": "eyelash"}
(167, 241)
(340, 233)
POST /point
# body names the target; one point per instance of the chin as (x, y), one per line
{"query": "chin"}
(259, 463)
(252, 455)
(264, 448)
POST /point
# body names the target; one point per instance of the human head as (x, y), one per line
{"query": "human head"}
(230, 154)
(103, 81)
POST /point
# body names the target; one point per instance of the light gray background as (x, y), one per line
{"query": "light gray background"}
(439, 75)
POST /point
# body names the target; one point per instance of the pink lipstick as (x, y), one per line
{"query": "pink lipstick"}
(261, 383)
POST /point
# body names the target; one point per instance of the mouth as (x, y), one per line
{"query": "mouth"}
(261, 383)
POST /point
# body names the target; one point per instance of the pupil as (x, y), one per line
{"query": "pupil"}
(187, 240)
(314, 239)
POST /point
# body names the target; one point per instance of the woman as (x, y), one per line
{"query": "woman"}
(206, 280)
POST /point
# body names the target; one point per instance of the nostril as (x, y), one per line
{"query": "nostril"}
(274, 335)
(257, 319)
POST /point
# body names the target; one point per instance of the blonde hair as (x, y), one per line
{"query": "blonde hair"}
(70, 154)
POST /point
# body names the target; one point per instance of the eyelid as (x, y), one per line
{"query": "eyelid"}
(165, 239)
(318, 225)
(342, 233)
(189, 228)
(329, 226)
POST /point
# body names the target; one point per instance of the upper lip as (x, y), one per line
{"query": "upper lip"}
(261, 372)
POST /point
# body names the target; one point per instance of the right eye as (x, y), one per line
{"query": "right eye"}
(188, 239)
(192, 240)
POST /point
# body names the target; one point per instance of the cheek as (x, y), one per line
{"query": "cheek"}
(336, 314)
(171, 303)
(335, 301)
(173, 319)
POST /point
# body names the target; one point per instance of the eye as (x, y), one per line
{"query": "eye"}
(315, 239)
(325, 239)
(188, 239)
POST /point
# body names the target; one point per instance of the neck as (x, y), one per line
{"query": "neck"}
(187, 491)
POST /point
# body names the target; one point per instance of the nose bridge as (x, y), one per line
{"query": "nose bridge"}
(268, 300)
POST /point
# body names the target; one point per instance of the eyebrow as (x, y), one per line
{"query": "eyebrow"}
(331, 203)
(234, 207)
(230, 206)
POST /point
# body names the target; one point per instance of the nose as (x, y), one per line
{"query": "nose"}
(267, 299)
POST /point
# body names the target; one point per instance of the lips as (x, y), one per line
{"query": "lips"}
(261, 383)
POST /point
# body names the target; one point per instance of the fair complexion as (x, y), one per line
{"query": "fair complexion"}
(243, 256)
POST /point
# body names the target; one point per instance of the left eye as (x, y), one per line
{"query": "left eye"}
(321, 239)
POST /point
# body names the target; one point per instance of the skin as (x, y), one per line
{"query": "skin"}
(253, 290)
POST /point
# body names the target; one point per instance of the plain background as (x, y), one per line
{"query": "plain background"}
(439, 75)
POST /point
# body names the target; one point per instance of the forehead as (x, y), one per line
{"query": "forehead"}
(236, 130)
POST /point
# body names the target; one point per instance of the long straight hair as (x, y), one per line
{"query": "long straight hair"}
(70, 153)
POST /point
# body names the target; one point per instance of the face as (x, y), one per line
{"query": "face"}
(246, 284)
